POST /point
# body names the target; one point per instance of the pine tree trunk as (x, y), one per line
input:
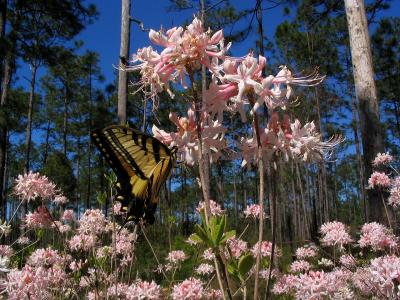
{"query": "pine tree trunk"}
(3, 129)
(78, 173)
(65, 119)
(47, 144)
(372, 135)
(235, 203)
(89, 185)
(7, 72)
(28, 140)
(123, 60)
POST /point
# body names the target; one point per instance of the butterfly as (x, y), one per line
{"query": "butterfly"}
(142, 164)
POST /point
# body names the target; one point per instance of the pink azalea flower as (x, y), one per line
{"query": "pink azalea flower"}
(92, 221)
(382, 159)
(335, 233)
(253, 211)
(213, 294)
(394, 197)
(185, 51)
(378, 180)
(306, 252)
(118, 291)
(144, 290)
(33, 185)
(204, 269)
(117, 208)
(319, 285)
(125, 243)
(216, 99)
(215, 208)
(377, 236)
(381, 279)
(68, 215)
(60, 199)
(266, 248)
(236, 246)
(300, 266)
(289, 140)
(285, 284)
(23, 240)
(186, 138)
(34, 283)
(83, 242)
(46, 258)
(189, 289)
(6, 251)
(176, 257)
(276, 90)
(38, 219)
(208, 254)
(347, 260)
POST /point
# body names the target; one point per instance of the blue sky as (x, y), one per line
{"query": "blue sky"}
(104, 35)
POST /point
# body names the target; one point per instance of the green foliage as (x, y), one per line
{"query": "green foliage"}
(58, 168)
(214, 235)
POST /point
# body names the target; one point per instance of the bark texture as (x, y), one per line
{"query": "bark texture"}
(372, 136)
(123, 59)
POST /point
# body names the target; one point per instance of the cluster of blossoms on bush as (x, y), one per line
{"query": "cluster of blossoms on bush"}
(236, 83)
(386, 178)
(368, 267)
(95, 251)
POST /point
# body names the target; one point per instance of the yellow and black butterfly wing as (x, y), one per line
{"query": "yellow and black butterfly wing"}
(142, 164)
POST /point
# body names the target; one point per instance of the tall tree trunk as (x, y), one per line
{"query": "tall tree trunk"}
(28, 140)
(372, 135)
(89, 185)
(220, 184)
(7, 73)
(396, 114)
(355, 127)
(3, 129)
(47, 143)
(235, 203)
(65, 119)
(360, 166)
(123, 59)
(78, 173)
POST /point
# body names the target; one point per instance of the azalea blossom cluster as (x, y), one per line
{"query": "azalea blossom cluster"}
(215, 208)
(186, 137)
(355, 275)
(335, 233)
(32, 186)
(386, 178)
(88, 244)
(184, 50)
(237, 86)
(253, 211)
(281, 138)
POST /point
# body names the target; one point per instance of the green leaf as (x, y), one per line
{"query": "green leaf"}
(246, 262)
(221, 229)
(232, 269)
(101, 198)
(196, 238)
(227, 236)
(40, 233)
(201, 233)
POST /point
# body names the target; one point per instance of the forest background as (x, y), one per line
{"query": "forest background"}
(61, 83)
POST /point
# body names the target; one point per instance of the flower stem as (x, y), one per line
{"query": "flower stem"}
(261, 197)
(386, 211)
(272, 196)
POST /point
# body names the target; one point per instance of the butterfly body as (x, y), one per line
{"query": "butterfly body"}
(142, 165)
